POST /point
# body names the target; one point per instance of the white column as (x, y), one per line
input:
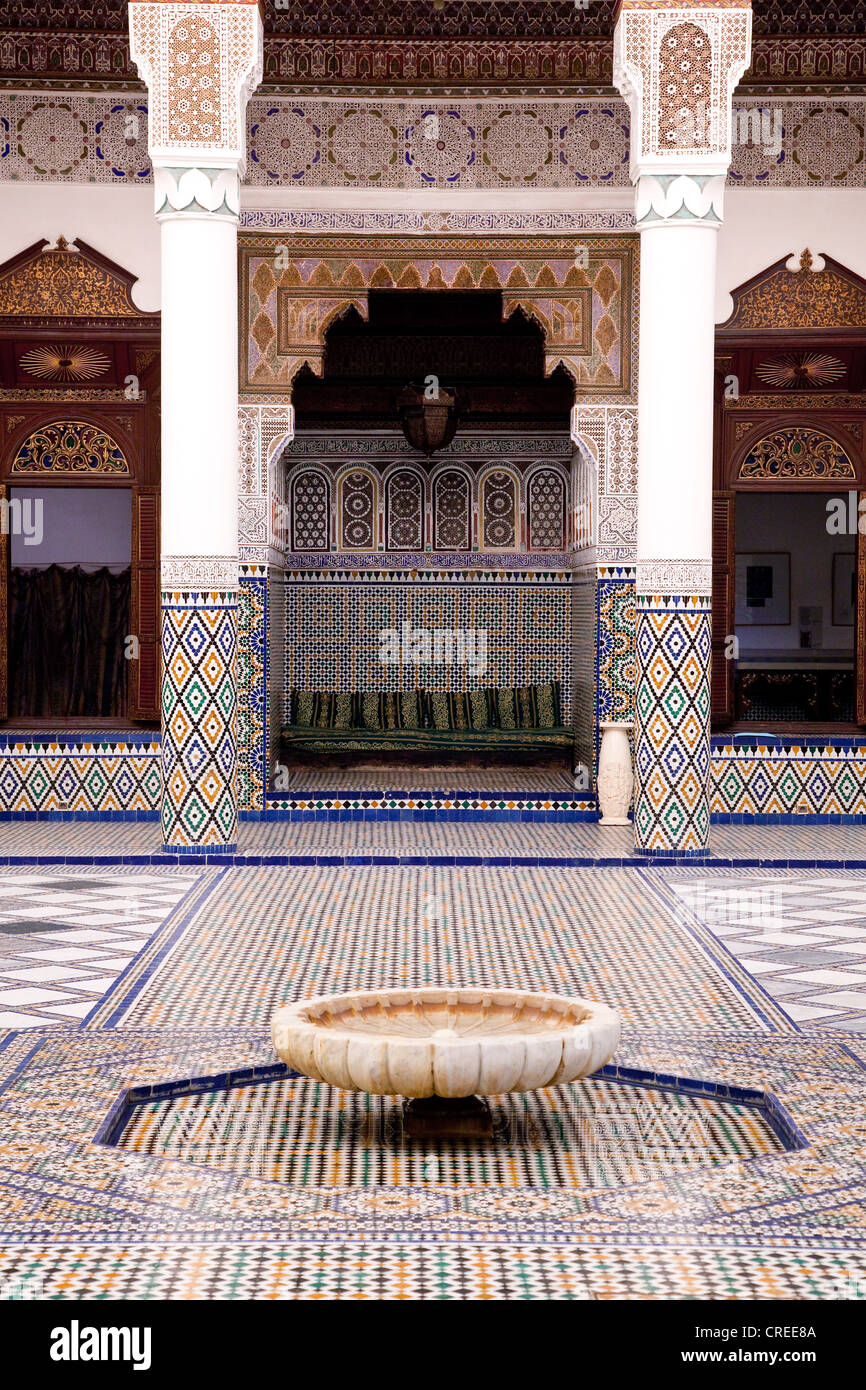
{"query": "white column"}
(675, 393)
(200, 63)
(677, 67)
(199, 386)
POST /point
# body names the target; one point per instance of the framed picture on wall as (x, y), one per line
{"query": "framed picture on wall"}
(763, 588)
(844, 588)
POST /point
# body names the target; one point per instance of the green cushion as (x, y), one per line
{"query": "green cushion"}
(424, 740)
(506, 708)
(482, 708)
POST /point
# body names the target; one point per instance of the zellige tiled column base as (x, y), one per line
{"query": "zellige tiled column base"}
(672, 724)
(199, 702)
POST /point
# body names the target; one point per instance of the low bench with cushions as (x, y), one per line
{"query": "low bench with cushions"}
(514, 718)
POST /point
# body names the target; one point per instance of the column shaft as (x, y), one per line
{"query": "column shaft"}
(674, 541)
(199, 532)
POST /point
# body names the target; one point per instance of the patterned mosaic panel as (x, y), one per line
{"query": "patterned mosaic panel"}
(102, 138)
(584, 626)
(111, 777)
(199, 699)
(303, 931)
(616, 645)
(516, 503)
(252, 733)
(672, 723)
(790, 779)
(334, 624)
(298, 1133)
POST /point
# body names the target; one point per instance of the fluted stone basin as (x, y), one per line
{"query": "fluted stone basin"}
(445, 1042)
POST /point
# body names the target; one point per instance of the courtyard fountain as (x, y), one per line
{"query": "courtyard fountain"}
(444, 1050)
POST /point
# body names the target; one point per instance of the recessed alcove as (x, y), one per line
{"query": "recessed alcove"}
(443, 575)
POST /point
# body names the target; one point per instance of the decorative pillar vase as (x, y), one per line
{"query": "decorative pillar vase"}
(615, 776)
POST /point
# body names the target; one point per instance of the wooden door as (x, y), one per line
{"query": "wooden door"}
(4, 603)
(144, 676)
(724, 572)
(860, 625)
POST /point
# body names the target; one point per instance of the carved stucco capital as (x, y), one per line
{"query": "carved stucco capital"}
(677, 66)
(200, 64)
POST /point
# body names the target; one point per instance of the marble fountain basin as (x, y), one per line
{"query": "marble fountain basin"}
(449, 1043)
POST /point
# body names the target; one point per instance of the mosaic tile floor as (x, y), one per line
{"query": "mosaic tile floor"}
(772, 1213)
(590, 1135)
(64, 941)
(473, 842)
(271, 935)
(531, 778)
(769, 1224)
(804, 939)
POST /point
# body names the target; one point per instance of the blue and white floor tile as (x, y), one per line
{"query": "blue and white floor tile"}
(803, 936)
(64, 940)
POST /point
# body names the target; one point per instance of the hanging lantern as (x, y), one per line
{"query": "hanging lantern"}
(429, 421)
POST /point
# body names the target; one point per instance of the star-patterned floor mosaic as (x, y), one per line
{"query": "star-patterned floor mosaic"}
(434, 841)
(804, 939)
(65, 940)
(93, 1206)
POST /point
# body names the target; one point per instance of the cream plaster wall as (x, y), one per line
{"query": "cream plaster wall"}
(762, 225)
(119, 222)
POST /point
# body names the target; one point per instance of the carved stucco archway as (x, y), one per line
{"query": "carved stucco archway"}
(579, 289)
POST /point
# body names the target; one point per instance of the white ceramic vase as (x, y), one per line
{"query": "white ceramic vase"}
(615, 776)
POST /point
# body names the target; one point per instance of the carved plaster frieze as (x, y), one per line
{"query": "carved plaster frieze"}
(200, 64)
(674, 577)
(199, 572)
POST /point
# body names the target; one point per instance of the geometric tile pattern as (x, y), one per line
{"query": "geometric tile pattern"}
(616, 646)
(65, 939)
(335, 830)
(672, 723)
(333, 630)
(199, 702)
(752, 1217)
(102, 137)
(252, 687)
(339, 1270)
(81, 773)
(802, 936)
(788, 777)
(302, 931)
(68, 1191)
(303, 1133)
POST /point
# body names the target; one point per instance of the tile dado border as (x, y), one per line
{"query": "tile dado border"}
(787, 779)
(57, 135)
(78, 777)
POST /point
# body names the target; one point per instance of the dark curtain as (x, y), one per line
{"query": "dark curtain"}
(66, 643)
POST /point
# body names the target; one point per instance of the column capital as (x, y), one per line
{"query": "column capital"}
(677, 64)
(200, 60)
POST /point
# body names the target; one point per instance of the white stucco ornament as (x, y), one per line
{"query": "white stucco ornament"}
(445, 1042)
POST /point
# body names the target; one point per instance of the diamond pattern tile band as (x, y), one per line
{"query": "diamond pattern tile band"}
(199, 701)
(672, 723)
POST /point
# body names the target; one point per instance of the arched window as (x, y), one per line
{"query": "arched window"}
(452, 512)
(499, 511)
(405, 511)
(311, 511)
(546, 500)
